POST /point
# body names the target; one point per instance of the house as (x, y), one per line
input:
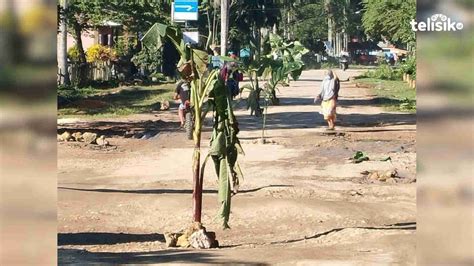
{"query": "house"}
(104, 34)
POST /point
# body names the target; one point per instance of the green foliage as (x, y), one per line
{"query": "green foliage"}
(409, 67)
(254, 71)
(73, 54)
(112, 101)
(335, 9)
(359, 156)
(136, 16)
(149, 58)
(100, 53)
(407, 104)
(72, 93)
(207, 89)
(390, 19)
(225, 147)
(385, 72)
(284, 59)
(394, 95)
(330, 64)
(124, 46)
(247, 16)
(311, 61)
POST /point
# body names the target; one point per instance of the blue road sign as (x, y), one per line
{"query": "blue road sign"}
(185, 10)
(186, 6)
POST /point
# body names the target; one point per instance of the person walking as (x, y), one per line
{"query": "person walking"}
(328, 96)
(182, 94)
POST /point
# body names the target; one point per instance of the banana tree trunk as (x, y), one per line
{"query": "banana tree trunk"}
(197, 180)
(275, 100)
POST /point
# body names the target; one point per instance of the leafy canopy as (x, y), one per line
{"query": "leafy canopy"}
(389, 19)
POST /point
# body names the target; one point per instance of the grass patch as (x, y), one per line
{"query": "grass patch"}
(113, 102)
(394, 95)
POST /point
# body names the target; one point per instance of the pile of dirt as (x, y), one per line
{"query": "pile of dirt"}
(389, 176)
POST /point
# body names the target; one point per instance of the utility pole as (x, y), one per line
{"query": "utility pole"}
(224, 26)
(62, 47)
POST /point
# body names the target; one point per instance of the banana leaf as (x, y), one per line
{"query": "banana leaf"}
(224, 150)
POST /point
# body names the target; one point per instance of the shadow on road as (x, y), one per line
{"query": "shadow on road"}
(298, 120)
(343, 101)
(98, 238)
(80, 257)
(164, 191)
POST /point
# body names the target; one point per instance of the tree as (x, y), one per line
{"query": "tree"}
(135, 16)
(310, 26)
(62, 47)
(209, 8)
(248, 18)
(394, 24)
(79, 17)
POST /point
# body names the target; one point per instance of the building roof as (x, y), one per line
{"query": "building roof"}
(111, 23)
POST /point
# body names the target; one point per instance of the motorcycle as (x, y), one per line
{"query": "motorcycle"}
(344, 63)
(188, 119)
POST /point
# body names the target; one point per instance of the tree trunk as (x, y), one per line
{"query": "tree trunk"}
(330, 28)
(288, 16)
(210, 32)
(197, 181)
(224, 26)
(275, 100)
(63, 75)
(82, 69)
(214, 22)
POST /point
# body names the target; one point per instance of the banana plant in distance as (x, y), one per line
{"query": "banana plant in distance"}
(285, 60)
(208, 92)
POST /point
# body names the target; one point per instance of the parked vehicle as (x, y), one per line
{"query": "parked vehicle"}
(344, 62)
(365, 59)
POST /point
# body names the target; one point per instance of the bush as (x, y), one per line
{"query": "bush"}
(310, 61)
(100, 53)
(73, 54)
(68, 94)
(124, 46)
(409, 67)
(149, 59)
(331, 62)
(385, 72)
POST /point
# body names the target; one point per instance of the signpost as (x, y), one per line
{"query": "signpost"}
(184, 10)
(191, 37)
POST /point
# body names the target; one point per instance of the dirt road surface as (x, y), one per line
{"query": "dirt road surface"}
(301, 202)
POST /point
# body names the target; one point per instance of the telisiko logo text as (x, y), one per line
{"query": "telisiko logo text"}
(437, 22)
